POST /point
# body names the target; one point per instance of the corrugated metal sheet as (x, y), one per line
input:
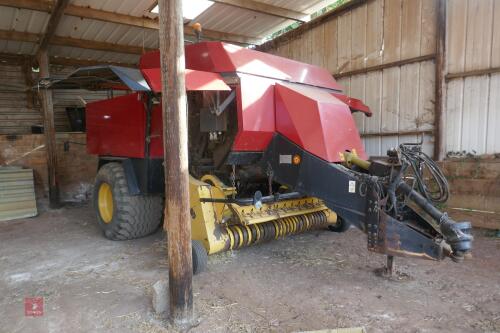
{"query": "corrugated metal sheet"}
(17, 193)
(219, 17)
(240, 21)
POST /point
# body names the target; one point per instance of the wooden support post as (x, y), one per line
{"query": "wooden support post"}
(175, 147)
(45, 96)
(440, 104)
(28, 80)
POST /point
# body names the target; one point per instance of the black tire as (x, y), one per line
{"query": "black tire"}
(341, 225)
(133, 216)
(200, 257)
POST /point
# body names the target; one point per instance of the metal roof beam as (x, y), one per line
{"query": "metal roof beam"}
(265, 8)
(72, 42)
(135, 21)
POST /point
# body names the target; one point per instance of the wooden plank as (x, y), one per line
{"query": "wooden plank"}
(305, 49)
(471, 168)
(474, 201)
(386, 65)
(390, 106)
(495, 52)
(330, 50)
(373, 98)
(344, 43)
(318, 46)
(475, 186)
(392, 31)
(73, 42)
(411, 28)
(476, 72)
(374, 32)
(475, 115)
(426, 96)
(358, 91)
(409, 97)
(177, 220)
(493, 133)
(453, 118)
(264, 8)
(479, 23)
(428, 26)
(358, 37)
(16, 59)
(478, 219)
(397, 133)
(456, 35)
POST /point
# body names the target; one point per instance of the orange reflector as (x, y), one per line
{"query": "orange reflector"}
(296, 159)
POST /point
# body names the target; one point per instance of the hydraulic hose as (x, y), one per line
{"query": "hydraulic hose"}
(419, 161)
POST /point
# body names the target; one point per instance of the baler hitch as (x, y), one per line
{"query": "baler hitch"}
(392, 199)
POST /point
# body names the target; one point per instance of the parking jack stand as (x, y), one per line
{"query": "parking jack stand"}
(389, 267)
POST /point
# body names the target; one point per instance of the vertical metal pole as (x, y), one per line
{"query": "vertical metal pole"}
(49, 130)
(175, 147)
(440, 103)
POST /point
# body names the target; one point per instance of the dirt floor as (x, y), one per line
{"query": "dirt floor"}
(314, 281)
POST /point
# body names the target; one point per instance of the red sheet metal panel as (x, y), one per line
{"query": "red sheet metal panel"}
(195, 80)
(116, 126)
(256, 122)
(156, 144)
(354, 104)
(220, 57)
(317, 121)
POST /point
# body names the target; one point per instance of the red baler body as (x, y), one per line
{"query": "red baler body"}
(274, 95)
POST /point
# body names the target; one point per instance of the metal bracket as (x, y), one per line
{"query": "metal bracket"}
(223, 106)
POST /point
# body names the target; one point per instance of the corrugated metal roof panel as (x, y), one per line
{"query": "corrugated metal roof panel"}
(295, 5)
(219, 17)
(17, 193)
(128, 7)
(77, 53)
(236, 20)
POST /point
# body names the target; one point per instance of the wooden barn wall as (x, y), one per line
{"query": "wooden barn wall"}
(472, 118)
(380, 32)
(402, 97)
(19, 109)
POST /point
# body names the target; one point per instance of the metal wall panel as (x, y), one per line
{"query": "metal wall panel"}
(17, 193)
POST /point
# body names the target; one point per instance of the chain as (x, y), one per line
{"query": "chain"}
(233, 179)
(270, 175)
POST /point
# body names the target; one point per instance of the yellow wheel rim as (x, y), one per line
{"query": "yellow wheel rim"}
(105, 202)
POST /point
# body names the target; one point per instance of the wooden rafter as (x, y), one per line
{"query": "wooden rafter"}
(20, 60)
(106, 16)
(72, 42)
(55, 17)
(265, 8)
